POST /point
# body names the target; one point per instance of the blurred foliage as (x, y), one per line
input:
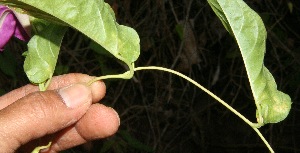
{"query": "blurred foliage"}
(166, 113)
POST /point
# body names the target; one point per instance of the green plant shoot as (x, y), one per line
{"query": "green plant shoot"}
(96, 20)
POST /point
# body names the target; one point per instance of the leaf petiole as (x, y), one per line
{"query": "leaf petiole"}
(125, 75)
(43, 86)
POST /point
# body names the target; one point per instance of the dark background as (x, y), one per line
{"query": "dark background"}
(163, 113)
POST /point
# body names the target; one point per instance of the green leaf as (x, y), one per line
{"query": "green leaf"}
(42, 54)
(249, 31)
(219, 12)
(94, 18)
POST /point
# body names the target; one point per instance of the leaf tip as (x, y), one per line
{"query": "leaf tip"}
(274, 111)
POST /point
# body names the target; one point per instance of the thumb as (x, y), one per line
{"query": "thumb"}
(42, 113)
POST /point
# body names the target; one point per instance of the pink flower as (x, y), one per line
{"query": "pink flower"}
(12, 24)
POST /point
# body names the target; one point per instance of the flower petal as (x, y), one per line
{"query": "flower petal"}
(20, 32)
(24, 20)
(10, 26)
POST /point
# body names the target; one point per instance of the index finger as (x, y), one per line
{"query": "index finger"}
(56, 83)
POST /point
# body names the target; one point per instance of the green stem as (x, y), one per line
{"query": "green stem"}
(117, 76)
(43, 86)
(38, 149)
(263, 139)
(125, 75)
(202, 88)
(255, 126)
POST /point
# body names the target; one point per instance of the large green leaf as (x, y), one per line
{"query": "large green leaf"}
(248, 29)
(94, 18)
(42, 54)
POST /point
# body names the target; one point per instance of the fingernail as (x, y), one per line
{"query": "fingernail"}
(75, 95)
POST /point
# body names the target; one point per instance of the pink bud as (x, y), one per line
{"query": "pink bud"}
(11, 26)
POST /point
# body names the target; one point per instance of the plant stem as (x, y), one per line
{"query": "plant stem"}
(39, 148)
(255, 126)
(117, 76)
(125, 75)
(263, 139)
(202, 88)
(128, 75)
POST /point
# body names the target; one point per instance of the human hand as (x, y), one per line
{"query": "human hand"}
(67, 114)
